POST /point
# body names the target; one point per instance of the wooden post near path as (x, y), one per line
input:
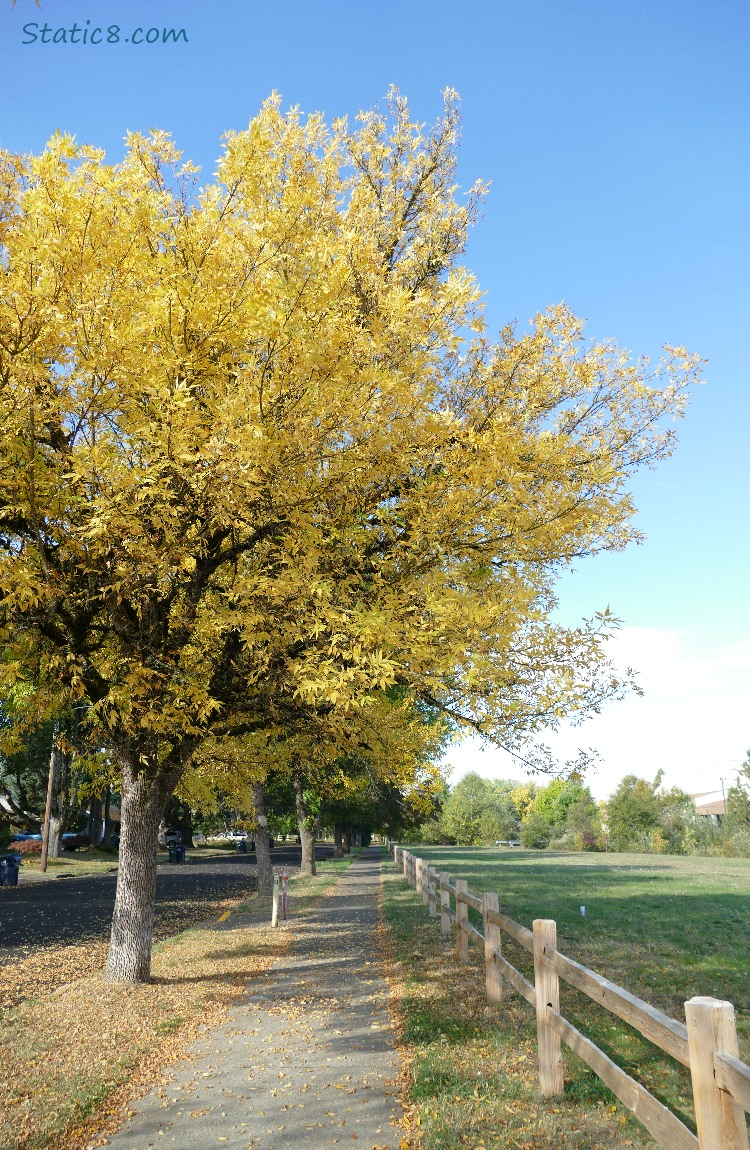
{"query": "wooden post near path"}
(720, 1120)
(275, 902)
(547, 987)
(445, 903)
(462, 916)
(432, 892)
(492, 946)
(425, 880)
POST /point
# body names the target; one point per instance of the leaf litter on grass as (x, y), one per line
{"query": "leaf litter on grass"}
(75, 1051)
(37, 971)
(70, 1049)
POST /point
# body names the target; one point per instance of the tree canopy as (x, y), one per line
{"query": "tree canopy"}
(259, 459)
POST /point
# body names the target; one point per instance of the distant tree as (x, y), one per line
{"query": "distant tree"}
(554, 801)
(583, 824)
(479, 811)
(523, 796)
(738, 799)
(564, 811)
(632, 814)
(643, 817)
(676, 817)
(536, 830)
(24, 774)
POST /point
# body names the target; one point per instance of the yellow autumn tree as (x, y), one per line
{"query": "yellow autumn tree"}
(259, 458)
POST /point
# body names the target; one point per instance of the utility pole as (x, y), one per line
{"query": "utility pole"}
(53, 765)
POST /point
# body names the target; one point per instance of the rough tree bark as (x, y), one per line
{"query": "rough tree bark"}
(262, 841)
(54, 841)
(338, 841)
(306, 835)
(144, 797)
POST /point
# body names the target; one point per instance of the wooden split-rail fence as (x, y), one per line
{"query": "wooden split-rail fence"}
(707, 1045)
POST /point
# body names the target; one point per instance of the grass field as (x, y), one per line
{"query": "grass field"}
(664, 927)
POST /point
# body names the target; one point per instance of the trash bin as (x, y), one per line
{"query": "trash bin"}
(9, 870)
(242, 847)
(172, 848)
(180, 851)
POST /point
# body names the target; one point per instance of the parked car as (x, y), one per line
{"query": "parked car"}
(74, 840)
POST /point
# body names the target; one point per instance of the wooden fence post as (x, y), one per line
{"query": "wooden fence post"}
(492, 946)
(405, 864)
(419, 876)
(445, 903)
(431, 891)
(425, 879)
(462, 916)
(547, 987)
(720, 1120)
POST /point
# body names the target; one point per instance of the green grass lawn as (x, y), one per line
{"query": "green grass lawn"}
(664, 927)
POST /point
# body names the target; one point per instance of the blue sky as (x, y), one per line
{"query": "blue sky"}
(615, 137)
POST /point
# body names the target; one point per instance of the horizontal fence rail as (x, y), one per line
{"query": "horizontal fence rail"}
(707, 1045)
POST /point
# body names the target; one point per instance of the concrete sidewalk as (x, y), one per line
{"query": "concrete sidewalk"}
(309, 1060)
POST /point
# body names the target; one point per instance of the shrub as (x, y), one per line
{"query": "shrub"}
(27, 847)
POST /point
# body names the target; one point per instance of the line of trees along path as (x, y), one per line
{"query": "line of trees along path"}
(261, 465)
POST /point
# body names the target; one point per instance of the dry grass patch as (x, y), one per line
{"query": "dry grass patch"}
(71, 865)
(70, 1048)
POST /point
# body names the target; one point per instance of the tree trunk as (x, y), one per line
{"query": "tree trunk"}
(144, 798)
(94, 827)
(109, 826)
(262, 842)
(347, 841)
(338, 841)
(305, 832)
(54, 843)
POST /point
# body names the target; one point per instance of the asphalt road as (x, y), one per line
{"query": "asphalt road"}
(69, 910)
